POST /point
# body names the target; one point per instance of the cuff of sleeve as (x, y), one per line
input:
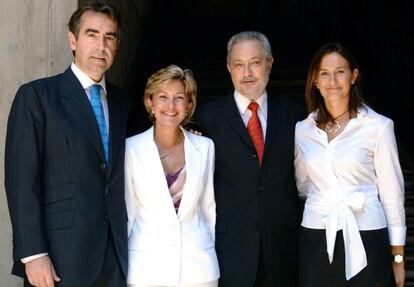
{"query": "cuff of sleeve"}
(397, 235)
(33, 257)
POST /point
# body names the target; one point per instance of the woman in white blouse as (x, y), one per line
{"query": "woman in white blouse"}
(347, 167)
(169, 191)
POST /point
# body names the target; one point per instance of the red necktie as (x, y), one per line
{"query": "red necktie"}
(255, 130)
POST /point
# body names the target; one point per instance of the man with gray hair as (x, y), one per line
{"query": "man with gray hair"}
(258, 211)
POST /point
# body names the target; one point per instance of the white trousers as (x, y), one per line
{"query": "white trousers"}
(205, 284)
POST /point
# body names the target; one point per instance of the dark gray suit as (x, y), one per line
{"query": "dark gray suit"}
(63, 198)
(257, 208)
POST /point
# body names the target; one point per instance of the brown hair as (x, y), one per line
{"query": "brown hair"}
(313, 97)
(161, 77)
(98, 6)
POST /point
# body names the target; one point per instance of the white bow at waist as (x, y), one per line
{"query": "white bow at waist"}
(339, 212)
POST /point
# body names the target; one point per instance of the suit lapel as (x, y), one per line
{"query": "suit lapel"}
(273, 120)
(192, 167)
(115, 124)
(231, 113)
(148, 154)
(76, 103)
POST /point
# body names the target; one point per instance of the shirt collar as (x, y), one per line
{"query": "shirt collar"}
(362, 112)
(365, 111)
(242, 102)
(85, 80)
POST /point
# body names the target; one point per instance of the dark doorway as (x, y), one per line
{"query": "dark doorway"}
(194, 34)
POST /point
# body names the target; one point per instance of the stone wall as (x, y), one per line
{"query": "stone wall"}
(33, 44)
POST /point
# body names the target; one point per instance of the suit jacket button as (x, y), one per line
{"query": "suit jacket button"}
(106, 190)
(254, 156)
(103, 166)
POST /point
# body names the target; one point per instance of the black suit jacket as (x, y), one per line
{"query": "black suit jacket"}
(255, 206)
(63, 198)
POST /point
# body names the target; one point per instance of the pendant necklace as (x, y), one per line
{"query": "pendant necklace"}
(333, 126)
(172, 149)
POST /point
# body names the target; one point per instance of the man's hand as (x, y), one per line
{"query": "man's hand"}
(41, 273)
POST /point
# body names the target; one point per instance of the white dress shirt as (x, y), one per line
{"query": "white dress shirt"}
(242, 103)
(354, 182)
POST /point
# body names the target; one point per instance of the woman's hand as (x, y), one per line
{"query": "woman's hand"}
(195, 132)
(398, 268)
(399, 273)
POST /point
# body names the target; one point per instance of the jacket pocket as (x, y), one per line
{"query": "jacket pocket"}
(59, 193)
(139, 242)
(59, 220)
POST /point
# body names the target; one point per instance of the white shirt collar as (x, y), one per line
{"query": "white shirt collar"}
(242, 102)
(85, 80)
(362, 112)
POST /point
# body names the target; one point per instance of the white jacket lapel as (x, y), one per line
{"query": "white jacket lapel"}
(193, 165)
(152, 162)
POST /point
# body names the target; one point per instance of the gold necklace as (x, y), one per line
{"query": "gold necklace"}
(333, 126)
(172, 149)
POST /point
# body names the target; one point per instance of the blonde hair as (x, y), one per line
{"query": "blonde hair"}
(161, 77)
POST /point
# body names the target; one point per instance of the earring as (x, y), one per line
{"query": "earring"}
(151, 116)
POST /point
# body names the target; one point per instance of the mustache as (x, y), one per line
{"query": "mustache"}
(248, 79)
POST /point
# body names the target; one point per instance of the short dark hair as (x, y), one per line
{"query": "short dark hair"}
(313, 97)
(95, 6)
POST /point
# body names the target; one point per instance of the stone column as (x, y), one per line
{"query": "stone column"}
(33, 44)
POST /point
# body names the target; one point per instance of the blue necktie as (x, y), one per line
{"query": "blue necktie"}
(100, 117)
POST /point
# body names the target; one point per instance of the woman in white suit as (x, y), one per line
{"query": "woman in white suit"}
(169, 191)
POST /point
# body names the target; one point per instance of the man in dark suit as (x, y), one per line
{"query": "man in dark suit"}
(258, 210)
(64, 165)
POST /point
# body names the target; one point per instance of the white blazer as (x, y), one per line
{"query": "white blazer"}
(166, 248)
